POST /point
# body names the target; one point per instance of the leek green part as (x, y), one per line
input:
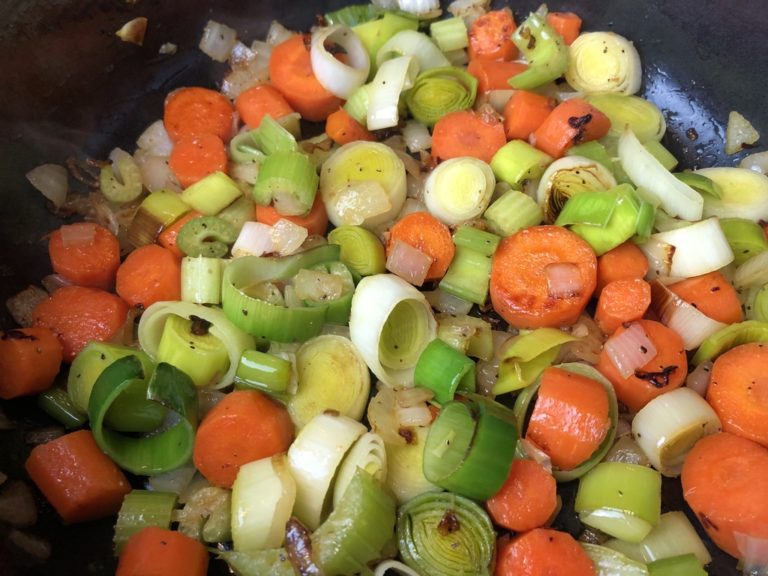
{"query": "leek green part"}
(439, 91)
(375, 33)
(140, 509)
(745, 237)
(271, 137)
(263, 371)
(543, 48)
(287, 179)
(593, 150)
(211, 194)
(511, 212)
(664, 156)
(643, 116)
(243, 148)
(444, 370)
(201, 279)
(700, 183)
(361, 250)
(357, 104)
(480, 241)
(517, 161)
(58, 405)
(187, 344)
(352, 15)
(730, 337)
(684, 565)
(468, 276)
(207, 236)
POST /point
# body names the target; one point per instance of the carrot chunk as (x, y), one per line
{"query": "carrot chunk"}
(155, 551)
(30, 359)
(86, 254)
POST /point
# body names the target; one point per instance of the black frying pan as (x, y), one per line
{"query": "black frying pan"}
(68, 86)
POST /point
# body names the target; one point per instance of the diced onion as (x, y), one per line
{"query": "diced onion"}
(757, 162)
(563, 280)
(339, 78)
(422, 8)
(698, 379)
(133, 31)
(393, 77)
(218, 40)
(630, 350)
(690, 323)
(277, 33)
(255, 239)
(408, 262)
(442, 301)
(417, 136)
(51, 180)
(156, 174)
(739, 133)
(17, 505)
(78, 234)
(287, 237)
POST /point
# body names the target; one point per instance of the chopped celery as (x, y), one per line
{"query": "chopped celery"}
(211, 194)
(287, 179)
(271, 137)
(201, 280)
(449, 34)
(142, 508)
(511, 212)
(468, 276)
(208, 236)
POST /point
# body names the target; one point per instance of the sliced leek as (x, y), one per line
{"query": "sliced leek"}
(212, 194)
(459, 189)
(392, 79)
(361, 250)
(745, 237)
(439, 91)
(603, 62)
(369, 453)
(511, 212)
(415, 44)
(543, 48)
(339, 78)
(610, 562)
(744, 193)
(517, 161)
(120, 181)
(641, 115)
(730, 337)
(752, 273)
(187, 344)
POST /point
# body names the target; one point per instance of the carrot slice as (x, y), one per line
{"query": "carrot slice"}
(524, 287)
(77, 478)
(155, 551)
(665, 372)
(149, 274)
(490, 36)
(290, 70)
(724, 483)
(571, 122)
(543, 551)
(30, 359)
(622, 301)
(259, 101)
(494, 75)
(316, 222)
(194, 111)
(624, 262)
(427, 234)
(342, 128)
(78, 315)
(738, 391)
(527, 500)
(245, 426)
(524, 112)
(467, 133)
(713, 295)
(86, 254)
(194, 157)
(167, 238)
(570, 418)
(567, 24)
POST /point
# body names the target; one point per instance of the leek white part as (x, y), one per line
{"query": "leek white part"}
(689, 322)
(423, 8)
(739, 133)
(255, 239)
(393, 566)
(51, 180)
(155, 139)
(675, 197)
(604, 62)
(695, 250)
(201, 279)
(391, 323)
(568, 176)
(459, 189)
(368, 453)
(744, 194)
(391, 80)
(442, 301)
(314, 458)
(669, 425)
(262, 500)
(218, 40)
(415, 44)
(753, 273)
(416, 136)
(287, 237)
(339, 78)
(405, 467)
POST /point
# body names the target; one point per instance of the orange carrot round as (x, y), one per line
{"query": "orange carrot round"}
(490, 36)
(523, 287)
(543, 551)
(149, 274)
(524, 112)
(712, 295)
(30, 359)
(738, 391)
(622, 301)
(571, 122)
(724, 483)
(467, 133)
(567, 24)
(290, 70)
(624, 262)
(665, 372)
(77, 478)
(86, 254)
(78, 315)
(154, 551)
(261, 100)
(245, 426)
(316, 222)
(167, 238)
(527, 500)
(194, 111)
(494, 75)
(194, 157)
(427, 234)
(342, 128)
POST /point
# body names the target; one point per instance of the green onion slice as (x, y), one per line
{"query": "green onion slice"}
(438, 91)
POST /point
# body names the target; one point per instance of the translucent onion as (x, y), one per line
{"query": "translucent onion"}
(417, 136)
(630, 350)
(339, 78)
(698, 379)
(422, 8)
(459, 189)
(218, 40)
(610, 562)
(757, 162)
(255, 239)
(415, 44)
(287, 237)
(744, 194)
(408, 262)
(604, 62)
(739, 133)
(391, 80)
(442, 301)
(51, 180)
(689, 322)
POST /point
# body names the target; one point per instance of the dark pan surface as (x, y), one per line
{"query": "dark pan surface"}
(68, 86)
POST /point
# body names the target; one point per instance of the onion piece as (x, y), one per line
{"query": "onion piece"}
(218, 40)
(535, 453)
(133, 31)
(442, 301)
(739, 133)
(414, 416)
(408, 262)
(76, 235)
(255, 239)
(698, 379)
(498, 99)
(757, 162)
(287, 237)
(743, 193)
(155, 139)
(630, 350)
(753, 552)
(175, 481)
(53, 282)
(339, 78)
(51, 180)
(425, 9)
(563, 280)
(690, 323)
(416, 136)
(752, 273)
(277, 33)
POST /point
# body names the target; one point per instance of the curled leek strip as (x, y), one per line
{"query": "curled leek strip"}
(416, 44)
(604, 62)
(445, 534)
(391, 323)
(642, 116)
(393, 77)
(439, 91)
(744, 193)
(459, 189)
(544, 49)
(234, 339)
(121, 181)
(368, 453)
(337, 77)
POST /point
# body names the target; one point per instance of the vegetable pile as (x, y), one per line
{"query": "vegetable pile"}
(383, 348)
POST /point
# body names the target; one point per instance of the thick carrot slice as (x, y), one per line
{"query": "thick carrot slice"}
(427, 234)
(245, 426)
(571, 122)
(30, 359)
(342, 128)
(542, 276)
(149, 274)
(724, 483)
(316, 222)
(622, 301)
(528, 498)
(665, 372)
(738, 391)
(490, 36)
(77, 478)
(195, 111)
(290, 70)
(167, 238)
(543, 551)
(467, 133)
(86, 254)
(624, 262)
(194, 157)
(570, 418)
(524, 112)
(259, 101)
(567, 24)
(713, 295)
(494, 75)
(78, 315)
(155, 551)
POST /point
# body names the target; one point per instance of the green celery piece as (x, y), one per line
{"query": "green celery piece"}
(544, 48)
(208, 236)
(352, 15)
(517, 161)
(468, 276)
(58, 405)
(475, 239)
(142, 508)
